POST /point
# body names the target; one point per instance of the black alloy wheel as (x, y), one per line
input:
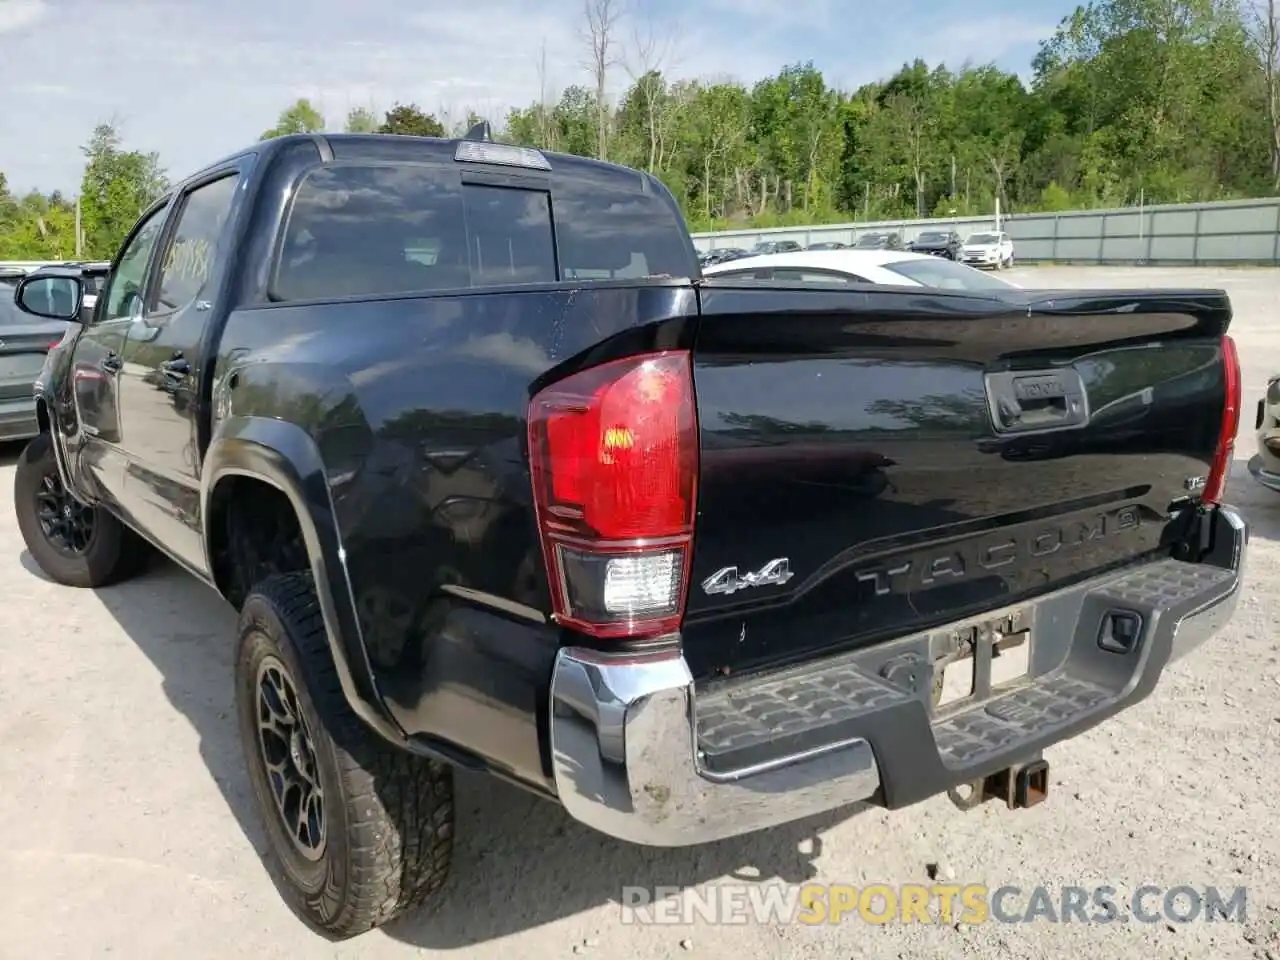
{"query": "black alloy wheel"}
(288, 756)
(67, 523)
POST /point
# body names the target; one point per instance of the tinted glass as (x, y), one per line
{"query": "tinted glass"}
(363, 231)
(608, 234)
(193, 249)
(125, 285)
(933, 237)
(946, 275)
(368, 230)
(509, 236)
(984, 238)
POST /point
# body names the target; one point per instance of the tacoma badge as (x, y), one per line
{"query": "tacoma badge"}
(727, 580)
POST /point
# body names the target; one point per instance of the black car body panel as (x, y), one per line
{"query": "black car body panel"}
(856, 441)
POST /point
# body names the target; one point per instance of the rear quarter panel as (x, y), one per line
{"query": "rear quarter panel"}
(418, 407)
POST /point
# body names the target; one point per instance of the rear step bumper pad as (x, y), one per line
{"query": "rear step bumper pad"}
(638, 755)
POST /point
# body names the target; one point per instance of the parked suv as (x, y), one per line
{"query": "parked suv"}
(939, 243)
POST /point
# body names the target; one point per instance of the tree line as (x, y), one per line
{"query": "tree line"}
(1129, 101)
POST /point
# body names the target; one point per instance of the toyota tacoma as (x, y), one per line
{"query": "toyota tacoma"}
(496, 480)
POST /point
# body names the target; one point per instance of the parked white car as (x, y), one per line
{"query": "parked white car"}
(894, 267)
(988, 249)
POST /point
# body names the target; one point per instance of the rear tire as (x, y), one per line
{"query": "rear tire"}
(75, 544)
(378, 841)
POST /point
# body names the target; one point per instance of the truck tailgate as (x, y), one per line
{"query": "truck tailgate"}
(877, 462)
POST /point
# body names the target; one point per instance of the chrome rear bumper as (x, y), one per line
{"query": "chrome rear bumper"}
(625, 734)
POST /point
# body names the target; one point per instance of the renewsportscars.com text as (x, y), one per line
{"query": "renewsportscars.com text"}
(876, 903)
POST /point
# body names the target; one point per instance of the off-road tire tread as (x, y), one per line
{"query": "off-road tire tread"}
(116, 554)
(399, 805)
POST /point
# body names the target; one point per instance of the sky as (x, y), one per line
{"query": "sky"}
(195, 80)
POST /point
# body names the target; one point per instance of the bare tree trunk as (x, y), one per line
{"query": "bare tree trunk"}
(602, 19)
(652, 51)
(544, 108)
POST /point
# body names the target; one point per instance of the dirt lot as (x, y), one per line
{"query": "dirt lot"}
(126, 825)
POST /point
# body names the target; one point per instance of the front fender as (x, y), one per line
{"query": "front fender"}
(47, 416)
(285, 456)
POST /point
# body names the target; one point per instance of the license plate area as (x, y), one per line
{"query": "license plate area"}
(980, 660)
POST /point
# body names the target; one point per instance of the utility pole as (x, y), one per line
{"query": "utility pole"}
(953, 176)
(866, 200)
(79, 233)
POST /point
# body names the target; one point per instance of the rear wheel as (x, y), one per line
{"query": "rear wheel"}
(360, 831)
(75, 544)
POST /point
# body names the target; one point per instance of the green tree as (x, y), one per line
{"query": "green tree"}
(409, 121)
(301, 117)
(361, 120)
(117, 186)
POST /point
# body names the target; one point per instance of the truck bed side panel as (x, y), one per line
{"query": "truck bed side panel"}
(418, 406)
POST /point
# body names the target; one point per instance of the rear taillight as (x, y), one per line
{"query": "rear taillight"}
(613, 452)
(1216, 485)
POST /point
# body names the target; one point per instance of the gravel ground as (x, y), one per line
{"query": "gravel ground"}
(126, 825)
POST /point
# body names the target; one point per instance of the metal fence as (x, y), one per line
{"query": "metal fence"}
(1237, 231)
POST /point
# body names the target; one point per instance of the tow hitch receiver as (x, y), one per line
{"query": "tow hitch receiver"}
(1020, 786)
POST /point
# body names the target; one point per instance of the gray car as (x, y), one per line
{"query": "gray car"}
(24, 341)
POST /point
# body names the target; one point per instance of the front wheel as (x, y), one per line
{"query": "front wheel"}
(73, 543)
(359, 830)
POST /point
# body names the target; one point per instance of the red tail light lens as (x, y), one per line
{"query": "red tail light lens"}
(1216, 485)
(614, 458)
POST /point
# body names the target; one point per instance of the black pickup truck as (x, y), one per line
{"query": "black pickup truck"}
(496, 480)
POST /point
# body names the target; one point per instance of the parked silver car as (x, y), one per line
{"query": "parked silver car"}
(1265, 464)
(24, 341)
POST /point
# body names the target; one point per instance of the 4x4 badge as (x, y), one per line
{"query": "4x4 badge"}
(727, 580)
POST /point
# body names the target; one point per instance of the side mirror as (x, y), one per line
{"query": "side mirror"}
(51, 297)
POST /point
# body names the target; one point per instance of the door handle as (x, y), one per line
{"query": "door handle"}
(111, 363)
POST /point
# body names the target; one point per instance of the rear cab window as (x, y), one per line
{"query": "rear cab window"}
(370, 228)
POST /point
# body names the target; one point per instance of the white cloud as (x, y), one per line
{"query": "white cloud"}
(195, 80)
(18, 14)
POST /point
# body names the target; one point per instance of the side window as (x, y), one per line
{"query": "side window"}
(124, 288)
(193, 249)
